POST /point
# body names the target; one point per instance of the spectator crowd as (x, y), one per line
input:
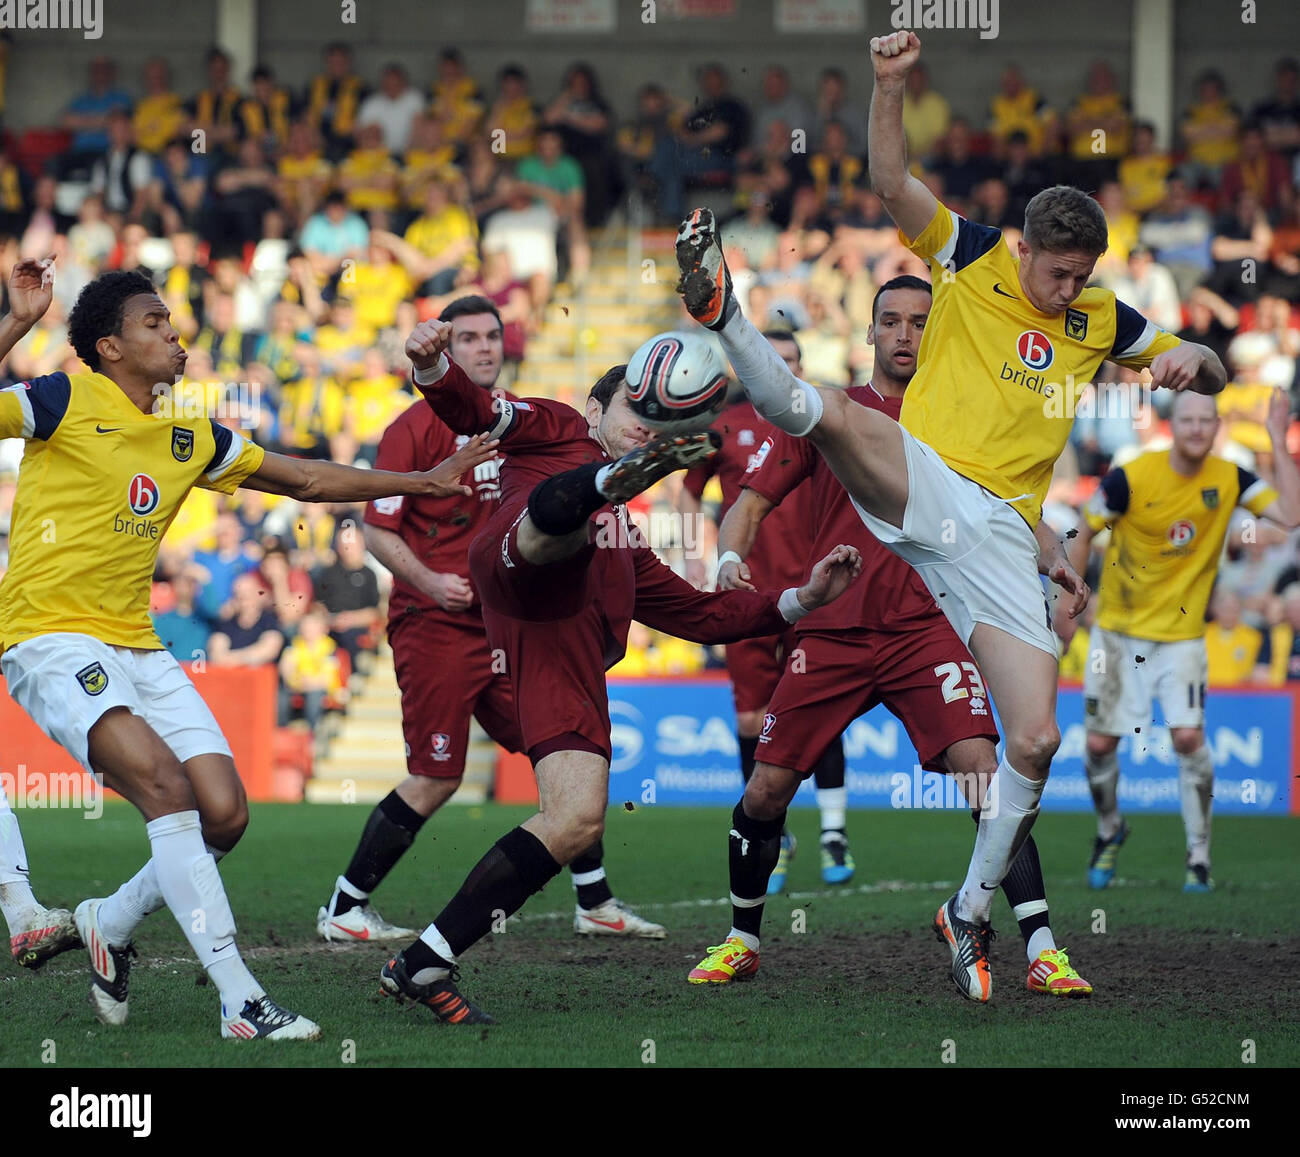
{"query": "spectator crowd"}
(297, 236)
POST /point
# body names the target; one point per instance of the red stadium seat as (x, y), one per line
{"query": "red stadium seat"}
(36, 147)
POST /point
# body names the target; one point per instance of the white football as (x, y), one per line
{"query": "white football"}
(677, 383)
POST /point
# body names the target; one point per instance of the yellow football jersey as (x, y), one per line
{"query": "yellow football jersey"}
(1166, 541)
(997, 382)
(99, 485)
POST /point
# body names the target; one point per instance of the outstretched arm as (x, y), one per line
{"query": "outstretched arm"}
(907, 200)
(323, 481)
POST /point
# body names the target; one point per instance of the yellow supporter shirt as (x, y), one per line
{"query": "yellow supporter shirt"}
(1144, 180)
(432, 235)
(997, 382)
(1231, 654)
(379, 170)
(458, 107)
(1166, 539)
(519, 120)
(373, 403)
(1094, 110)
(310, 407)
(421, 168)
(100, 484)
(1243, 406)
(310, 660)
(1121, 235)
(1221, 114)
(157, 119)
(1024, 113)
(311, 172)
(377, 291)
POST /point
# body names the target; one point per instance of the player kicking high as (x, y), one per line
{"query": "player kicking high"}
(433, 611)
(754, 665)
(1169, 513)
(956, 486)
(108, 463)
(884, 642)
(561, 576)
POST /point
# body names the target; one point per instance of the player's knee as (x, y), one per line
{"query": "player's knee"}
(1036, 745)
(768, 793)
(1186, 740)
(749, 723)
(582, 831)
(225, 823)
(1099, 746)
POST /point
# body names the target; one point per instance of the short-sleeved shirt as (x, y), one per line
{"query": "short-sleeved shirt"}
(563, 176)
(241, 636)
(888, 595)
(437, 531)
(1166, 541)
(100, 484)
(998, 382)
(342, 589)
(777, 558)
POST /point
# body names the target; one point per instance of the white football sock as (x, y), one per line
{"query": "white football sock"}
(192, 889)
(1196, 787)
(1103, 780)
(121, 913)
(435, 940)
(748, 939)
(833, 802)
(1010, 808)
(1040, 940)
(17, 900)
(788, 403)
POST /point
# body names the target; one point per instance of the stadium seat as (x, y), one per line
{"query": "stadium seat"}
(36, 147)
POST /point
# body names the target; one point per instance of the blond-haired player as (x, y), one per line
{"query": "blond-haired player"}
(956, 486)
(1169, 513)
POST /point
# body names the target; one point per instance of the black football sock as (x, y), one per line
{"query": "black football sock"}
(589, 877)
(832, 798)
(389, 831)
(562, 504)
(517, 865)
(748, 754)
(752, 853)
(1024, 888)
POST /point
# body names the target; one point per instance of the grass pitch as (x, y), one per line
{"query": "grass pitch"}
(1180, 980)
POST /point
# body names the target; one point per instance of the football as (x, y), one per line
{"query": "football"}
(677, 382)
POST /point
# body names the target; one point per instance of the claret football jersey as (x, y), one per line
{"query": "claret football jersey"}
(99, 485)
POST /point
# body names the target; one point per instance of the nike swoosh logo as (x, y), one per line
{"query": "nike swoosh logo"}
(223, 947)
(111, 429)
(997, 288)
(986, 887)
(607, 924)
(355, 935)
(20, 868)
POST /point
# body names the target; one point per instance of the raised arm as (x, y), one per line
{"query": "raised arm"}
(907, 200)
(31, 289)
(1285, 508)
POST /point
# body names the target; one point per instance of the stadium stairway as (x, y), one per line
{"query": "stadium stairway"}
(366, 758)
(627, 298)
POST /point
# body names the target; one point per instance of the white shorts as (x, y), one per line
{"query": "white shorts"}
(1125, 676)
(65, 682)
(971, 548)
